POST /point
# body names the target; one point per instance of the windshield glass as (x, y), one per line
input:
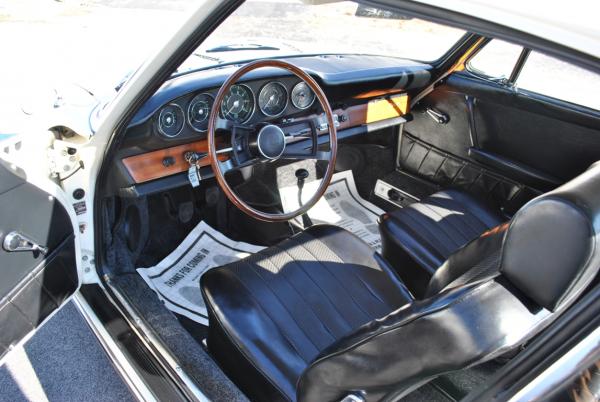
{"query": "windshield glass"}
(260, 29)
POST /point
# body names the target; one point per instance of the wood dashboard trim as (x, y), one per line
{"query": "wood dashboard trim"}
(378, 92)
(149, 166)
(373, 111)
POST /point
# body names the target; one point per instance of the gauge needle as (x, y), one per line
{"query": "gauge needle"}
(235, 104)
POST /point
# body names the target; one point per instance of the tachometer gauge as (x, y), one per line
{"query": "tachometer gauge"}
(272, 99)
(170, 120)
(199, 110)
(302, 95)
(238, 104)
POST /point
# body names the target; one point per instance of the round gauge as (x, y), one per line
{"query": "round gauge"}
(170, 120)
(302, 95)
(238, 104)
(199, 110)
(272, 99)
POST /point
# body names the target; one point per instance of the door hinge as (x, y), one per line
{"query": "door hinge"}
(63, 160)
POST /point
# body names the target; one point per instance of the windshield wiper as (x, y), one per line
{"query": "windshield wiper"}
(233, 47)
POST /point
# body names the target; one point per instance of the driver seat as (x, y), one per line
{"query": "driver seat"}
(321, 317)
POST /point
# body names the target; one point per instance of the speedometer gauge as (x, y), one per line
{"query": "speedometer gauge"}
(198, 111)
(238, 104)
(302, 95)
(272, 99)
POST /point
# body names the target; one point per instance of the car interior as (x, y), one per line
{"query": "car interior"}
(486, 228)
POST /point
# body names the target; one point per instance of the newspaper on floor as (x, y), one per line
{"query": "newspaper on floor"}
(341, 205)
(176, 279)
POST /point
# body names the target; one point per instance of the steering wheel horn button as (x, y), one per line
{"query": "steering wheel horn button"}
(270, 142)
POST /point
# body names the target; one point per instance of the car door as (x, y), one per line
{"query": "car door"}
(514, 124)
(38, 268)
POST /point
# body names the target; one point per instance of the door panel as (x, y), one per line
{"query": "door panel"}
(32, 285)
(426, 161)
(533, 141)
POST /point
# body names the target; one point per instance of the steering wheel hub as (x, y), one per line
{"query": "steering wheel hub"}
(270, 142)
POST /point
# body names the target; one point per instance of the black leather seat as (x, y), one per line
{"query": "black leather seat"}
(293, 300)
(321, 316)
(417, 239)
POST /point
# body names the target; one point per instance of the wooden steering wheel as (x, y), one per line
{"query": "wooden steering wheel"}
(267, 142)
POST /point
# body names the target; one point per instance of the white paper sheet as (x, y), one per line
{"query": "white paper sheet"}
(341, 205)
(176, 278)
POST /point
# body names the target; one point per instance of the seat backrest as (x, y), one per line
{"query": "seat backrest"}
(548, 255)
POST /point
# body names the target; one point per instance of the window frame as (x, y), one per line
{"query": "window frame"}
(512, 81)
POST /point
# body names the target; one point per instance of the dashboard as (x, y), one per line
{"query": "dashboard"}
(366, 93)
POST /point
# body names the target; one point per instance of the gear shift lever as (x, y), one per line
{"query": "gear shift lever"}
(301, 175)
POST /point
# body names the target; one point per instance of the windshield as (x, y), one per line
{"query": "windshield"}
(260, 29)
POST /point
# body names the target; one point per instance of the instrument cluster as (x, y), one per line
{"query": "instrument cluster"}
(248, 102)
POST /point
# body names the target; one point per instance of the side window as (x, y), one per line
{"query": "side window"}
(551, 77)
(496, 60)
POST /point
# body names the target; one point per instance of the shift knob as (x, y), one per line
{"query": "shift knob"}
(302, 174)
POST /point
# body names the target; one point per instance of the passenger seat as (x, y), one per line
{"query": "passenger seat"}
(417, 239)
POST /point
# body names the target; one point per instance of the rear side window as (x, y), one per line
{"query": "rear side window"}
(555, 78)
(496, 60)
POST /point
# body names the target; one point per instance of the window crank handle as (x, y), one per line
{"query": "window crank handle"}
(15, 241)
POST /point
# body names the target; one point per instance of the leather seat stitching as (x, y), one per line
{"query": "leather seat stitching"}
(300, 296)
(367, 316)
(241, 351)
(325, 293)
(447, 222)
(434, 235)
(466, 214)
(285, 336)
(460, 207)
(344, 262)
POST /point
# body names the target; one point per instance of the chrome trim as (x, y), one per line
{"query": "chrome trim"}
(292, 96)
(189, 120)
(353, 398)
(160, 114)
(258, 142)
(15, 241)
(287, 100)
(253, 103)
(153, 344)
(128, 373)
(580, 357)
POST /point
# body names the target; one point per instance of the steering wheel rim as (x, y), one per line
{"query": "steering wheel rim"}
(215, 159)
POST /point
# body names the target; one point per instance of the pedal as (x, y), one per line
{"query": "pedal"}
(393, 195)
(185, 211)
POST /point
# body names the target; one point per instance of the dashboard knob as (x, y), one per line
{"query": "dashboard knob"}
(168, 161)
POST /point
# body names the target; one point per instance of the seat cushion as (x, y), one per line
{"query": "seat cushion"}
(418, 239)
(272, 313)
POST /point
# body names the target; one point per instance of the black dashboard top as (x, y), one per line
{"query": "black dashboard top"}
(338, 74)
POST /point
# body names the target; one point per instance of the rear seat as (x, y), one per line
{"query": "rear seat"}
(417, 239)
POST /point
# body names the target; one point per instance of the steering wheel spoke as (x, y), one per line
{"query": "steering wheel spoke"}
(223, 124)
(307, 155)
(231, 165)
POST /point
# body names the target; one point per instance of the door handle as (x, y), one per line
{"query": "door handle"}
(15, 241)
